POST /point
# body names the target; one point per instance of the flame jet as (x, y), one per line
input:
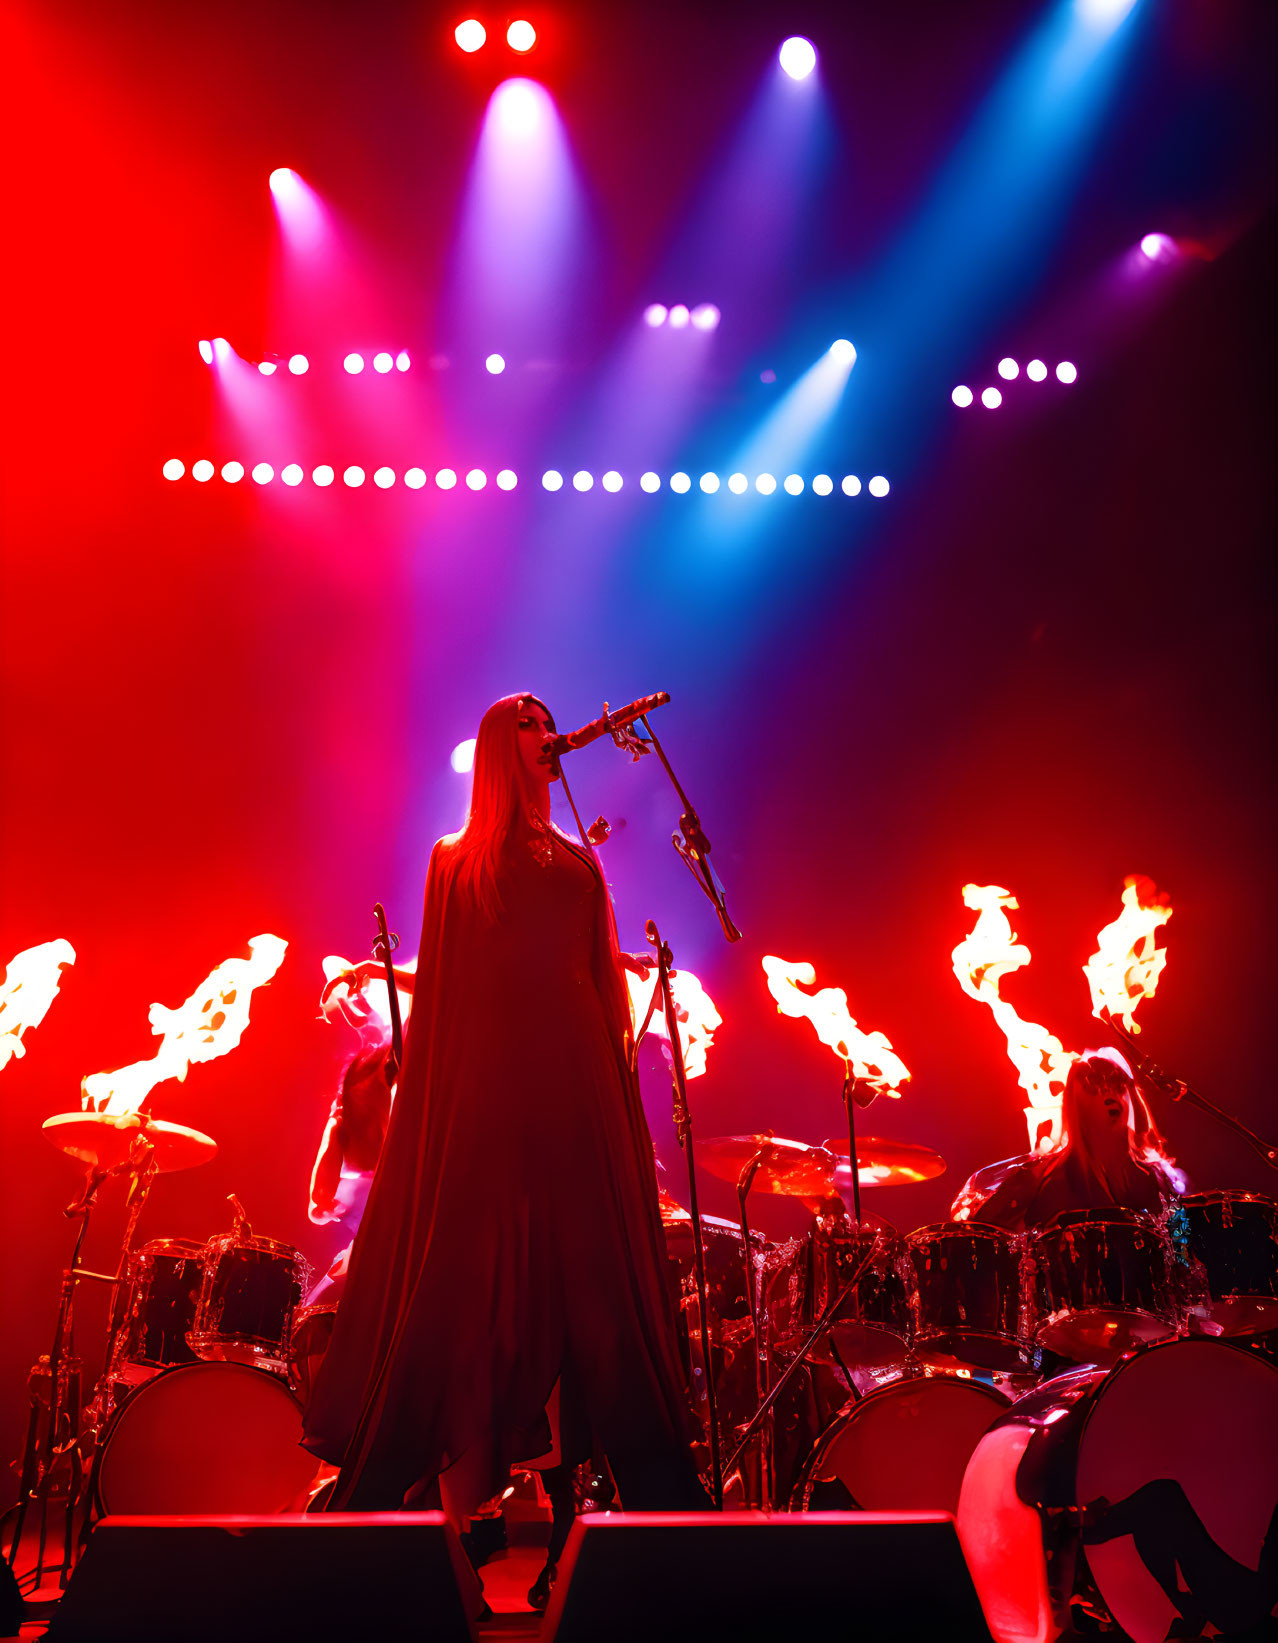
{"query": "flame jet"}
(870, 1055)
(30, 985)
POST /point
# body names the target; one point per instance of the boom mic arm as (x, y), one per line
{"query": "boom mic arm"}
(615, 724)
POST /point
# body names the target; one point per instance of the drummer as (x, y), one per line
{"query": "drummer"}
(1110, 1154)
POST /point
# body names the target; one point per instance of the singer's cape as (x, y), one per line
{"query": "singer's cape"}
(512, 1237)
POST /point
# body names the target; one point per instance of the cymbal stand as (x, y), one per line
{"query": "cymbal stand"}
(767, 1475)
(683, 1129)
(849, 1106)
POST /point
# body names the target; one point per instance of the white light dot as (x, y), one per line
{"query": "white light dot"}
(611, 481)
(765, 484)
(280, 179)
(263, 473)
(521, 36)
(267, 367)
(232, 472)
(823, 484)
(299, 365)
(203, 470)
(292, 473)
(470, 35)
(476, 479)
(1008, 369)
(879, 486)
(415, 478)
(402, 361)
(680, 482)
(962, 396)
(495, 365)
(705, 316)
(679, 316)
(1065, 372)
(552, 480)
(222, 349)
(323, 475)
(650, 482)
(842, 352)
(353, 476)
(709, 483)
(462, 757)
(793, 484)
(654, 314)
(797, 57)
(737, 483)
(1155, 246)
(354, 363)
(582, 481)
(383, 362)
(991, 398)
(507, 480)
(206, 352)
(851, 485)
(384, 478)
(1036, 371)
(174, 468)
(445, 479)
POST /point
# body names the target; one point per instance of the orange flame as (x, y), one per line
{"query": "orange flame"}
(211, 1022)
(870, 1055)
(981, 960)
(30, 985)
(371, 1003)
(694, 1009)
(1126, 965)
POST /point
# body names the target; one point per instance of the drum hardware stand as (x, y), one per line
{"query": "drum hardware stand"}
(683, 1129)
(767, 1476)
(1178, 1090)
(384, 944)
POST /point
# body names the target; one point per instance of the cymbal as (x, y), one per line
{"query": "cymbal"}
(103, 1139)
(792, 1168)
(883, 1163)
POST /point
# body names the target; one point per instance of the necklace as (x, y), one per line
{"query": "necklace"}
(542, 841)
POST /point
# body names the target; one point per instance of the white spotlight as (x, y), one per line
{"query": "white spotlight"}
(299, 365)
(737, 483)
(495, 365)
(793, 484)
(445, 479)
(765, 484)
(507, 480)
(650, 482)
(470, 35)
(1065, 372)
(879, 486)
(991, 398)
(292, 473)
(552, 481)
(384, 478)
(174, 468)
(705, 316)
(1157, 246)
(962, 396)
(222, 350)
(521, 36)
(1008, 369)
(797, 57)
(654, 314)
(851, 485)
(476, 479)
(232, 472)
(680, 483)
(462, 757)
(206, 352)
(402, 361)
(611, 481)
(823, 484)
(383, 362)
(842, 352)
(202, 470)
(353, 363)
(679, 316)
(323, 475)
(582, 481)
(267, 367)
(415, 478)
(1036, 371)
(354, 476)
(709, 483)
(263, 473)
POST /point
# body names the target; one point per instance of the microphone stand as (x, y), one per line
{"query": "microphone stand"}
(690, 841)
(384, 944)
(1178, 1090)
(767, 1474)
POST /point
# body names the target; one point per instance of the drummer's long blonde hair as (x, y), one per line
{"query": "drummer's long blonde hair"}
(1096, 1072)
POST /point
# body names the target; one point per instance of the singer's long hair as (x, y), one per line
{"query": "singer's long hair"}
(501, 802)
(1097, 1072)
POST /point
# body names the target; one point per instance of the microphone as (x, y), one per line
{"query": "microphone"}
(608, 724)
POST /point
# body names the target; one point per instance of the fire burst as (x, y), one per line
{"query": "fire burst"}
(1126, 965)
(211, 1022)
(870, 1056)
(694, 1009)
(30, 985)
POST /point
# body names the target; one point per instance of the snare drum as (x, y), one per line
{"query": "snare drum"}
(250, 1291)
(966, 1295)
(1233, 1236)
(1103, 1283)
(165, 1275)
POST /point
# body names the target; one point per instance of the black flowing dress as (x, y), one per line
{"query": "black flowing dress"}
(512, 1237)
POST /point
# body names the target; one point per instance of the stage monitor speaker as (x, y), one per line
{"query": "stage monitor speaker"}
(384, 1575)
(685, 1577)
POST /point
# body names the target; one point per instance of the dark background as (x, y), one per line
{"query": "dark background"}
(1042, 662)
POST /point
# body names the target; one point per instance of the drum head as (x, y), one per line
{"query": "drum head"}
(1179, 1487)
(205, 1437)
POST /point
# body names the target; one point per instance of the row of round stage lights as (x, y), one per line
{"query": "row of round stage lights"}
(447, 479)
(1009, 369)
(704, 317)
(521, 36)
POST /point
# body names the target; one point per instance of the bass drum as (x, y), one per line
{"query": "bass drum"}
(204, 1437)
(903, 1448)
(1145, 1495)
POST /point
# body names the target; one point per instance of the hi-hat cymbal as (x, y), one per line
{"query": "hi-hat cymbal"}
(883, 1163)
(792, 1168)
(105, 1139)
